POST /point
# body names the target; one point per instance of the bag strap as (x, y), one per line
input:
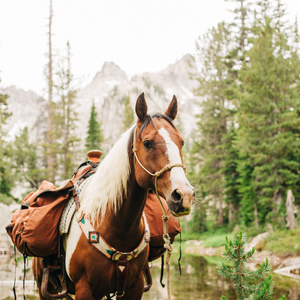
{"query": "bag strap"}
(24, 275)
(162, 271)
(14, 287)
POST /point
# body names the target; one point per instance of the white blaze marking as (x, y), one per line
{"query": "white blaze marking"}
(70, 242)
(177, 174)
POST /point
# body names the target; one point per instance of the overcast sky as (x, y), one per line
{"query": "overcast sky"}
(138, 35)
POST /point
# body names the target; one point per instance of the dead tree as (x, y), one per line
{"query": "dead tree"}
(290, 218)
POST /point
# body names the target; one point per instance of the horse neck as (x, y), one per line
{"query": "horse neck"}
(126, 224)
(130, 213)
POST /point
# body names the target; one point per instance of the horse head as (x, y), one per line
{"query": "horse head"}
(158, 151)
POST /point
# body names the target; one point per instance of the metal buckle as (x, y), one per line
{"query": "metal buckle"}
(166, 238)
(116, 294)
(117, 255)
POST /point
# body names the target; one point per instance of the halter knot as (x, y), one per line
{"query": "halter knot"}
(165, 218)
(169, 247)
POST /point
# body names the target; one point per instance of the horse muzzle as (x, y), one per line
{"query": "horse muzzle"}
(181, 200)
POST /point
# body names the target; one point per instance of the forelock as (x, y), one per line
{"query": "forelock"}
(149, 119)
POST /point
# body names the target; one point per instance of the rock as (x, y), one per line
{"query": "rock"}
(257, 242)
(194, 242)
(5, 214)
(200, 250)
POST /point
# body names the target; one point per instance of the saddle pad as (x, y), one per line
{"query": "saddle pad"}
(67, 216)
(70, 209)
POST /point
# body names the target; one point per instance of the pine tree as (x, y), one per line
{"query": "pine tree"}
(65, 116)
(6, 177)
(27, 161)
(50, 147)
(248, 208)
(198, 222)
(95, 135)
(214, 113)
(231, 174)
(243, 279)
(269, 123)
(128, 115)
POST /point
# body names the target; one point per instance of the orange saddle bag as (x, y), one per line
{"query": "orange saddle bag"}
(34, 228)
(153, 214)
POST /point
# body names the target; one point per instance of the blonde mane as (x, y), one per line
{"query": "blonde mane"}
(109, 184)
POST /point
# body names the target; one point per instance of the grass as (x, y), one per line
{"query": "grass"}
(216, 240)
(284, 242)
(213, 239)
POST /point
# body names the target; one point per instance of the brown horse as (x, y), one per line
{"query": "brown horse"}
(113, 201)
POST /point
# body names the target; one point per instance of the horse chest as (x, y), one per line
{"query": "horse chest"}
(89, 269)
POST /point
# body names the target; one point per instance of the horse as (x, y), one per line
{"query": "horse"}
(112, 204)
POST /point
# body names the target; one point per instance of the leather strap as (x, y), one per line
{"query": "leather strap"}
(81, 172)
(76, 199)
(122, 271)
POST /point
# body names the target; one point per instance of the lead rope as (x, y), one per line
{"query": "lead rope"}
(168, 246)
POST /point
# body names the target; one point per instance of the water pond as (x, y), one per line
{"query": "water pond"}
(199, 280)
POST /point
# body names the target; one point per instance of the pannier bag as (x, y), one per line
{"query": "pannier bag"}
(34, 228)
(153, 214)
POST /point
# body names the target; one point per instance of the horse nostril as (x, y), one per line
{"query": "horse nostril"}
(176, 195)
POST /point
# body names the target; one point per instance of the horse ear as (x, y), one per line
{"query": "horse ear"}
(172, 109)
(141, 107)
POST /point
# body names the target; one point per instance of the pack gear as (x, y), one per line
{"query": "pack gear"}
(35, 229)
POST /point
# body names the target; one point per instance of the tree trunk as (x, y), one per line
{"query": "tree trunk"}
(290, 218)
(230, 212)
(255, 217)
(221, 220)
(277, 199)
(50, 158)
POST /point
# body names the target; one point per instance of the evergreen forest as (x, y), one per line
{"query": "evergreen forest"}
(245, 155)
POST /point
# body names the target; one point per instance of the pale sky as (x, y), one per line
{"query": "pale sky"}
(138, 35)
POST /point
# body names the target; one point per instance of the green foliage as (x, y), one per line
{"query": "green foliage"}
(211, 238)
(6, 176)
(214, 241)
(269, 124)
(212, 122)
(27, 160)
(246, 151)
(4, 198)
(128, 114)
(231, 175)
(284, 242)
(198, 222)
(243, 279)
(65, 116)
(95, 135)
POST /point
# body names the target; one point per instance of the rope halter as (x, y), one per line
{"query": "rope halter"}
(168, 167)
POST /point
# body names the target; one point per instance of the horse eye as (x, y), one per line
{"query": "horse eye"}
(147, 145)
(182, 143)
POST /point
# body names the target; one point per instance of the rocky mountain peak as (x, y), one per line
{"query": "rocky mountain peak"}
(110, 71)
